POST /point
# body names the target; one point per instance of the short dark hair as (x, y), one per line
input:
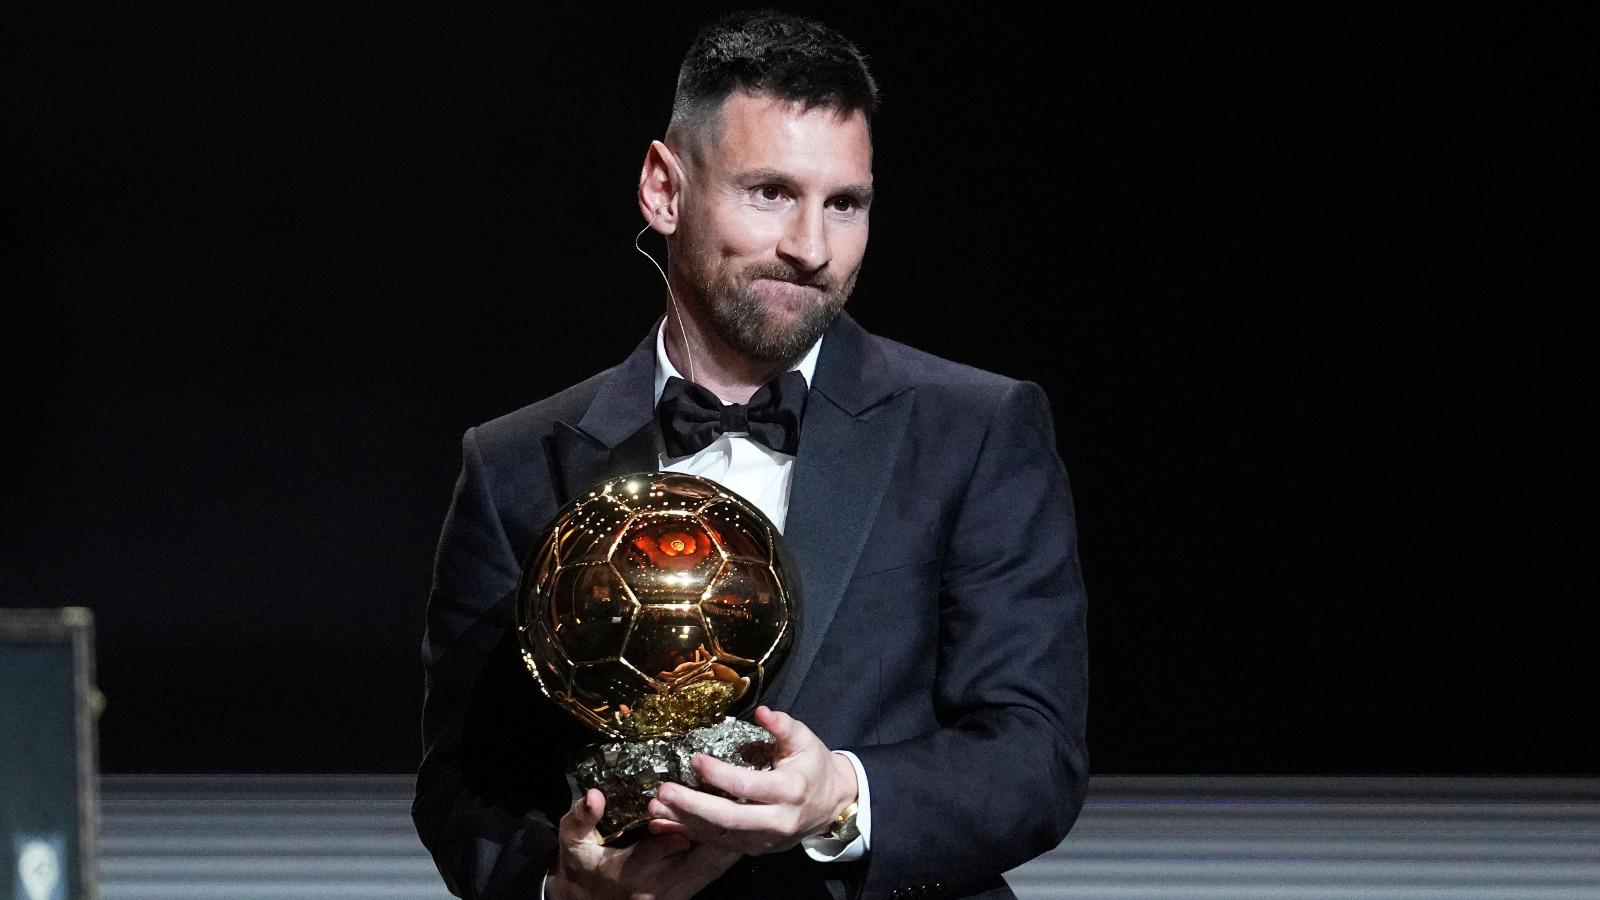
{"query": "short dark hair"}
(772, 53)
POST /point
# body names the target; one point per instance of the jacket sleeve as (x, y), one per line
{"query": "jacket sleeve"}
(490, 789)
(1001, 780)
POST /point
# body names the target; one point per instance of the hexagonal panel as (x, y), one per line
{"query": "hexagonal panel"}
(691, 489)
(745, 611)
(739, 532)
(587, 532)
(589, 612)
(667, 558)
(668, 643)
(661, 491)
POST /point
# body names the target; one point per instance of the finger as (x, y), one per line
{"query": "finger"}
(775, 722)
(658, 848)
(766, 786)
(579, 822)
(789, 734)
(667, 827)
(707, 816)
(661, 811)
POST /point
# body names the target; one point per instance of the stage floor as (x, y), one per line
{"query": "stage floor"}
(1139, 838)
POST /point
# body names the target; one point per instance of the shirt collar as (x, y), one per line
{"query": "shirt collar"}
(665, 369)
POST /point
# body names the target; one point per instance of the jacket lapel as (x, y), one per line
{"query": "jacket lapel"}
(854, 420)
(617, 434)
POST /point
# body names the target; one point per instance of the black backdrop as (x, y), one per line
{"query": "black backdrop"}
(1277, 271)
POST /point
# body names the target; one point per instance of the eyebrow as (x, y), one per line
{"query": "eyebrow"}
(860, 193)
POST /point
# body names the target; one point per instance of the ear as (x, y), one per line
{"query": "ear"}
(660, 184)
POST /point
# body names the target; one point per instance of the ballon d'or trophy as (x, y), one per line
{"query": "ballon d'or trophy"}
(656, 610)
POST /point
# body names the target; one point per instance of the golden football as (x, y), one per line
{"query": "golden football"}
(656, 603)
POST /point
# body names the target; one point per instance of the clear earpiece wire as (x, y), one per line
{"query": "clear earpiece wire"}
(676, 313)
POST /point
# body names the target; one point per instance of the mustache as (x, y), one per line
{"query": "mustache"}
(782, 272)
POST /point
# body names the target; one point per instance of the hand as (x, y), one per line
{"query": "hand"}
(660, 867)
(774, 810)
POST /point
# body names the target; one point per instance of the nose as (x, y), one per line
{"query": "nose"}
(805, 241)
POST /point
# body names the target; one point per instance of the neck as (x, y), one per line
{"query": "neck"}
(733, 376)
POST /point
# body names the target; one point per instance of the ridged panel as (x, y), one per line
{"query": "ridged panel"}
(1203, 838)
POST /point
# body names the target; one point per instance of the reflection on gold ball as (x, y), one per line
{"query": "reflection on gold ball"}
(655, 603)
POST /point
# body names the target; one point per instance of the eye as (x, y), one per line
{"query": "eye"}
(770, 193)
(842, 204)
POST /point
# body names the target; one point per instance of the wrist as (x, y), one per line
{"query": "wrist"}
(844, 776)
(842, 792)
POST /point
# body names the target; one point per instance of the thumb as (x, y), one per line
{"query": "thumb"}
(579, 822)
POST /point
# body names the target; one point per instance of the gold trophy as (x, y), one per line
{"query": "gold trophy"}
(656, 609)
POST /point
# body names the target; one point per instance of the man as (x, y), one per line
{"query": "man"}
(931, 733)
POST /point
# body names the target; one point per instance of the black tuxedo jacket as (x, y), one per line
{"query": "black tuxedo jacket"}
(942, 641)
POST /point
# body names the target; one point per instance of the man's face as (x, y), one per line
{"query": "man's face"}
(774, 223)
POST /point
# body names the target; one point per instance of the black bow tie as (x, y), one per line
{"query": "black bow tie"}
(691, 417)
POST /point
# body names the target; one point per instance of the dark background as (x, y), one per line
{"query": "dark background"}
(1281, 274)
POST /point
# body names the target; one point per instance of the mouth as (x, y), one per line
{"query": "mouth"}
(784, 285)
(778, 294)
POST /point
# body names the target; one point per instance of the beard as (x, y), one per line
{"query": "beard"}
(752, 326)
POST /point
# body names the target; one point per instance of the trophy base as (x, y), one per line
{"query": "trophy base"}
(628, 772)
